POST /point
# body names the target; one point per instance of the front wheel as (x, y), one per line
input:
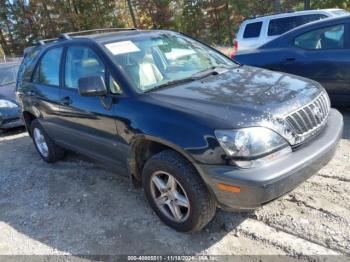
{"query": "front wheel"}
(176, 193)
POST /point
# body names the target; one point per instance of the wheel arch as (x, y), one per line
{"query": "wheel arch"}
(28, 118)
(144, 147)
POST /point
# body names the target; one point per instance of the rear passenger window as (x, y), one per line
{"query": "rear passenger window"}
(48, 69)
(281, 25)
(252, 30)
(81, 62)
(311, 18)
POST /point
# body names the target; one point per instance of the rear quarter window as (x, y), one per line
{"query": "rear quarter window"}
(27, 66)
(252, 30)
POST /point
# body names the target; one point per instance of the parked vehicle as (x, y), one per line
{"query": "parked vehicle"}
(256, 31)
(10, 113)
(319, 51)
(191, 126)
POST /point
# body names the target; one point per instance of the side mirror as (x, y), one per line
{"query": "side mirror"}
(92, 86)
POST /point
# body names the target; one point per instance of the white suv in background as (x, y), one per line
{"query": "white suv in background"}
(256, 31)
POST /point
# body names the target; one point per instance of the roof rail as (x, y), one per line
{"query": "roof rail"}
(98, 31)
(67, 36)
(45, 41)
(275, 13)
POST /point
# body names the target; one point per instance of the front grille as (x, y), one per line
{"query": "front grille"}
(307, 120)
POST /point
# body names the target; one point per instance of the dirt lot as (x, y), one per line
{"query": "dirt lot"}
(78, 207)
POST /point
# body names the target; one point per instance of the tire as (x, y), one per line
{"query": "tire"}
(49, 153)
(201, 204)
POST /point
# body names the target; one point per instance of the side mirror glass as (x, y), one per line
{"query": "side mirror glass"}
(92, 86)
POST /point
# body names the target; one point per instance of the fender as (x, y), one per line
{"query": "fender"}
(160, 144)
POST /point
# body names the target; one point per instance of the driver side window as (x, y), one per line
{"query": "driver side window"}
(321, 39)
(81, 62)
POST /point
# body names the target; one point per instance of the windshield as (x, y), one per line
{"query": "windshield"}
(8, 74)
(155, 60)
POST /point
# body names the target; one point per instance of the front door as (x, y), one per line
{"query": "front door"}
(324, 56)
(87, 122)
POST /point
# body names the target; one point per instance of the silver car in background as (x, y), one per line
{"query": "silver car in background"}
(258, 30)
(9, 109)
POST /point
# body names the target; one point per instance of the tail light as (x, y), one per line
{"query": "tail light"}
(235, 49)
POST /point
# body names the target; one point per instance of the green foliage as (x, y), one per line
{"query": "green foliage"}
(22, 22)
(345, 4)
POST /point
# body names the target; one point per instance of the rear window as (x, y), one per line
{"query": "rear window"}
(252, 30)
(281, 25)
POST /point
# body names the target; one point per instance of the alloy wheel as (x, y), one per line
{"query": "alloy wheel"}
(169, 196)
(40, 142)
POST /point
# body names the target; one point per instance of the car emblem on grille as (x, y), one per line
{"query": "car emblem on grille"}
(317, 113)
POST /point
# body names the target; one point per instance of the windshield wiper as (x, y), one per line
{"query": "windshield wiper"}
(199, 75)
(173, 82)
(206, 72)
(214, 70)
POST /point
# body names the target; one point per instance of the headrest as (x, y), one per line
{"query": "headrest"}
(89, 62)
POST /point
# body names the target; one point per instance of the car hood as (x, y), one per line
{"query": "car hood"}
(241, 96)
(8, 92)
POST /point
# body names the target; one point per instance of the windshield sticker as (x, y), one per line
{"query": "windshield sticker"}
(123, 47)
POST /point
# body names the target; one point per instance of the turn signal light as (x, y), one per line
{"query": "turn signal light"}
(235, 189)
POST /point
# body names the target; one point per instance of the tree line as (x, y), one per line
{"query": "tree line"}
(23, 22)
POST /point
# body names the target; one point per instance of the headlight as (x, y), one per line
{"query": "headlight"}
(7, 104)
(248, 144)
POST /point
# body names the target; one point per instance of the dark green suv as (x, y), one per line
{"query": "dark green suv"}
(194, 128)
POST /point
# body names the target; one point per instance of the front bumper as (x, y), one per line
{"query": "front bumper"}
(263, 184)
(10, 118)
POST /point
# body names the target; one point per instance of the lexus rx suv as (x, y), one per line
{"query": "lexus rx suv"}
(195, 129)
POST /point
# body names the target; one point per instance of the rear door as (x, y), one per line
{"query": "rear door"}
(87, 122)
(322, 55)
(44, 89)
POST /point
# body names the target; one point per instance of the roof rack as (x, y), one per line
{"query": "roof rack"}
(45, 41)
(67, 36)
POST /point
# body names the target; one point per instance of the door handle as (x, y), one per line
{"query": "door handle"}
(290, 59)
(66, 101)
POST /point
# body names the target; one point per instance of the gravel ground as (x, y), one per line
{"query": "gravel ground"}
(77, 206)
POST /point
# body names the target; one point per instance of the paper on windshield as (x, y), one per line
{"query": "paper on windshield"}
(123, 47)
